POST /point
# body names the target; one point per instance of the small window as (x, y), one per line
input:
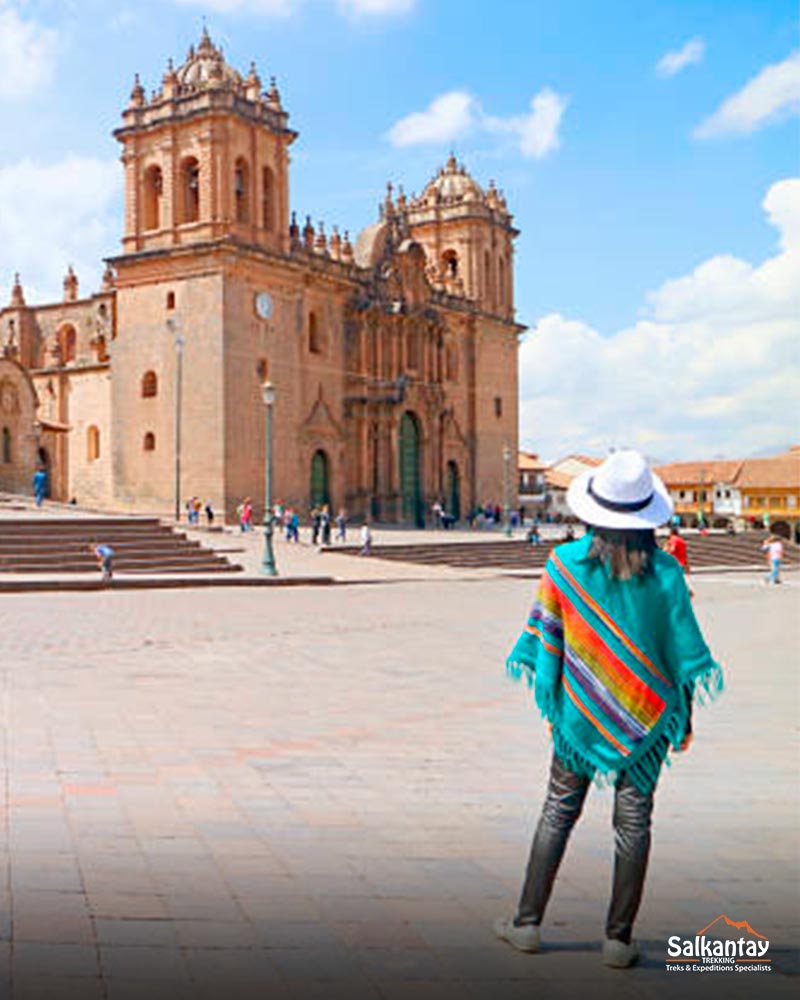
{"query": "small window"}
(190, 190)
(6, 446)
(170, 300)
(67, 342)
(153, 192)
(498, 406)
(149, 385)
(262, 370)
(314, 334)
(149, 441)
(93, 443)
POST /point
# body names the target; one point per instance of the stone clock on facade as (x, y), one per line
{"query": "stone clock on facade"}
(263, 305)
(397, 388)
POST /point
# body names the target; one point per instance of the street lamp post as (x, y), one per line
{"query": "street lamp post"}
(172, 326)
(268, 566)
(507, 455)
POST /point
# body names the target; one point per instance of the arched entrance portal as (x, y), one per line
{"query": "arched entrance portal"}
(453, 502)
(320, 492)
(410, 470)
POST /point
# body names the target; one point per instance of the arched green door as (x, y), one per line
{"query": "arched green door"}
(453, 492)
(410, 471)
(320, 483)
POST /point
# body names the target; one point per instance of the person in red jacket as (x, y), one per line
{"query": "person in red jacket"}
(676, 547)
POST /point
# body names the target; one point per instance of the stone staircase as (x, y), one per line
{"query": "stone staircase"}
(728, 552)
(52, 544)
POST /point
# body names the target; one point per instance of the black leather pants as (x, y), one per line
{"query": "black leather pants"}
(566, 794)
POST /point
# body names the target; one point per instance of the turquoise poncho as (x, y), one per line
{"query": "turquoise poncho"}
(615, 664)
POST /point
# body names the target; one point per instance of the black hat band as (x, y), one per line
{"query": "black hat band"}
(620, 506)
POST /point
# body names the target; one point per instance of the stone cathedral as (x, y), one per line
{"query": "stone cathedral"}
(393, 356)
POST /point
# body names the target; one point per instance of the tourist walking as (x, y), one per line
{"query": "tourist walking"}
(773, 546)
(40, 486)
(105, 559)
(209, 514)
(294, 527)
(316, 524)
(245, 514)
(676, 547)
(325, 524)
(615, 655)
(366, 540)
(341, 526)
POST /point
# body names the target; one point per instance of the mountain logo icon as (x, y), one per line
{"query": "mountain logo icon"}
(739, 925)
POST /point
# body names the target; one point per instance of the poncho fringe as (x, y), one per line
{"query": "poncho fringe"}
(703, 688)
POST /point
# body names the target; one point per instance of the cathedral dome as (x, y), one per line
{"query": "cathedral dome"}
(371, 243)
(452, 184)
(206, 64)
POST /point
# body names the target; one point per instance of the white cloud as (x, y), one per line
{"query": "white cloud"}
(54, 215)
(537, 131)
(772, 95)
(456, 113)
(448, 117)
(27, 54)
(712, 369)
(674, 61)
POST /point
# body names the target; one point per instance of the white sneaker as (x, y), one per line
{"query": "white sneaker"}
(618, 955)
(525, 938)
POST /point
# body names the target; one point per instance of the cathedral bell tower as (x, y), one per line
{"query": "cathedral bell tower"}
(206, 158)
(468, 238)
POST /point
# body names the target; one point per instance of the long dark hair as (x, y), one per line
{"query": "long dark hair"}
(624, 552)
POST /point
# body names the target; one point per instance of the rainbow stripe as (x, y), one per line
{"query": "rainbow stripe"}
(610, 683)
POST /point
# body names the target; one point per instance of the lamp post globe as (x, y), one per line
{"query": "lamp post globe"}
(268, 567)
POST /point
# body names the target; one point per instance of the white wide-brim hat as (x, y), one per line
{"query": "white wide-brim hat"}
(623, 492)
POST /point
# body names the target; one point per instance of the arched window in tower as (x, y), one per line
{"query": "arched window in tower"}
(93, 443)
(153, 190)
(501, 280)
(149, 385)
(67, 343)
(488, 285)
(190, 190)
(149, 443)
(241, 190)
(268, 199)
(315, 336)
(6, 446)
(450, 264)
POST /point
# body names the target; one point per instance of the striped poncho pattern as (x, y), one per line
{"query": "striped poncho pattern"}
(614, 664)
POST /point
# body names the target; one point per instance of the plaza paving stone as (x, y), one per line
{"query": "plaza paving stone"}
(330, 793)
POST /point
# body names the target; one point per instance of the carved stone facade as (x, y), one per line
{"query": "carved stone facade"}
(394, 360)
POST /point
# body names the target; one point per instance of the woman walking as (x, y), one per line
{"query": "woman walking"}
(615, 655)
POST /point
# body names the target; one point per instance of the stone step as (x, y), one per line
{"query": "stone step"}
(740, 552)
(42, 544)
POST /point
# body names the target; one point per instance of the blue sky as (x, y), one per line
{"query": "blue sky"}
(618, 186)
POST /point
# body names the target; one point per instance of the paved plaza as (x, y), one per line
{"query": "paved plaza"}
(330, 792)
